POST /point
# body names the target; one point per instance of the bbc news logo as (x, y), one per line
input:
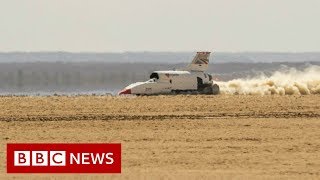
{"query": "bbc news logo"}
(64, 158)
(58, 158)
(39, 158)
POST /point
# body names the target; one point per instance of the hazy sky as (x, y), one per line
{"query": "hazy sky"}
(159, 25)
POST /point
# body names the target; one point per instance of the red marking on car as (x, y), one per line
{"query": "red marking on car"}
(125, 91)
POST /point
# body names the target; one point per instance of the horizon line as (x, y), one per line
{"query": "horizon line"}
(123, 52)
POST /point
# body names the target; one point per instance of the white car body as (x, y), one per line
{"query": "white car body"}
(190, 79)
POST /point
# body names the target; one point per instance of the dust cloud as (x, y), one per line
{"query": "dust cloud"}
(283, 82)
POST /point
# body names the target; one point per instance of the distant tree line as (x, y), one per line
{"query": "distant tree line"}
(72, 76)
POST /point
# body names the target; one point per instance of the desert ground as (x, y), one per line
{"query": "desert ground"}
(176, 137)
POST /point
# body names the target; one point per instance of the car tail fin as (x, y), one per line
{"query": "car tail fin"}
(200, 62)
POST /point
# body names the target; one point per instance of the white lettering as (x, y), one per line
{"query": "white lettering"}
(111, 161)
(85, 156)
(76, 159)
(96, 158)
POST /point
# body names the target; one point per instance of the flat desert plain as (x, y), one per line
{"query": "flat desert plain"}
(176, 137)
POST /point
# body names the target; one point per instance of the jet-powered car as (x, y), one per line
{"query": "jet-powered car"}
(190, 80)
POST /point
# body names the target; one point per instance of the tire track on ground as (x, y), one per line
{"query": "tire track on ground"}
(79, 117)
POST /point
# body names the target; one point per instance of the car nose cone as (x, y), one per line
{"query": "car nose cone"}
(125, 91)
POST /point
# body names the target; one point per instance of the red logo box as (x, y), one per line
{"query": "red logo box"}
(63, 158)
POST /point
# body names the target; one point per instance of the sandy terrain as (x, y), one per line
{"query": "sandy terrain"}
(177, 137)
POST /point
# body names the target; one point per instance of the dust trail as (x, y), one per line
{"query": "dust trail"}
(289, 82)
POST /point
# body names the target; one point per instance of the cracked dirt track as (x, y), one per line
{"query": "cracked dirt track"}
(177, 136)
